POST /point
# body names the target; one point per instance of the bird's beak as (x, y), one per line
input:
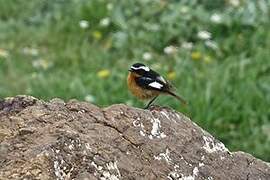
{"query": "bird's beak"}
(130, 70)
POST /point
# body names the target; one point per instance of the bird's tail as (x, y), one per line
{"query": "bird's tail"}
(182, 100)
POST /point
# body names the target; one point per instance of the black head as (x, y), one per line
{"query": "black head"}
(139, 69)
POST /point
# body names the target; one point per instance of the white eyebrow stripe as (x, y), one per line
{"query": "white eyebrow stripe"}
(156, 85)
(141, 67)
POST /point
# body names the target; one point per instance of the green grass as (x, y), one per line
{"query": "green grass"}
(228, 87)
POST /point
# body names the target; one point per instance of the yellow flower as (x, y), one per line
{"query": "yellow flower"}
(196, 55)
(207, 59)
(104, 73)
(171, 75)
(97, 35)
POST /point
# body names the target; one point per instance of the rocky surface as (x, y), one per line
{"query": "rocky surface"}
(77, 140)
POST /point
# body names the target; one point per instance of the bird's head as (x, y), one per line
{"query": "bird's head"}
(139, 69)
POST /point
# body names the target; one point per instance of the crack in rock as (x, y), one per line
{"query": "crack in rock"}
(78, 140)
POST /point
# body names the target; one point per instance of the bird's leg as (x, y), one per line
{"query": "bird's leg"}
(150, 102)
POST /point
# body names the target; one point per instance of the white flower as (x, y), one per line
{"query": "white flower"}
(187, 45)
(204, 35)
(216, 18)
(109, 6)
(147, 56)
(84, 24)
(169, 49)
(234, 3)
(30, 51)
(184, 9)
(41, 64)
(211, 44)
(4, 53)
(89, 98)
(104, 22)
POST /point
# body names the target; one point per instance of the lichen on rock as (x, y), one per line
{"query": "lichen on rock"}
(78, 140)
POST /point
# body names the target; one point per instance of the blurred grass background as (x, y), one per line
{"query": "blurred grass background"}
(215, 52)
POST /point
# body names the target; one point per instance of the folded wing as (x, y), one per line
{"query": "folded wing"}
(152, 84)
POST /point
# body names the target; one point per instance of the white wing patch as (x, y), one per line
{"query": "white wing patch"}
(141, 67)
(162, 79)
(156, 85)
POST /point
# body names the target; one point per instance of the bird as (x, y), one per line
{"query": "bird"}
(145, 83)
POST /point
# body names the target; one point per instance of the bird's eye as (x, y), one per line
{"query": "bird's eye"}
(140, 72)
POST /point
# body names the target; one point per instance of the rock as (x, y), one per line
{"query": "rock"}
(77, 140)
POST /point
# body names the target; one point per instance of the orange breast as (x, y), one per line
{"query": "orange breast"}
(138, 91)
